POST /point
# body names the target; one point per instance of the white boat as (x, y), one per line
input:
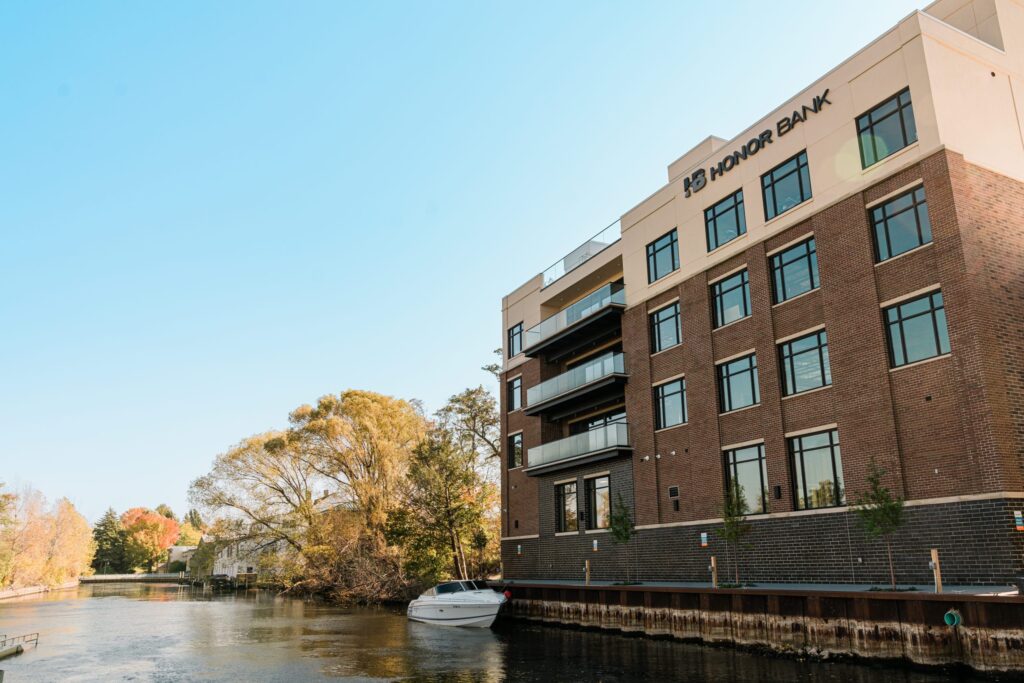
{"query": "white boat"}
(457, 603)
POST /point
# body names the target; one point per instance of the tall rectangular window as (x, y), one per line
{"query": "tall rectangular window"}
(805, 363)
(599, 503)
(901, 224)
(745, 472)
(917, 329)
(515, 393)
(725, 221)
(737, 384)
(515, 450)
(665, 328)
(818, 470)
(786, 185)
(886, 129)
(730, 298)
(566, 518)
(662, 256)
(515, 340)
(670, 404)
(795, 271)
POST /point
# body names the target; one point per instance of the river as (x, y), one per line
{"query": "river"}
(142, 632)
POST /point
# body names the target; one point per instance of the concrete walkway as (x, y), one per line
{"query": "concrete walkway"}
(803, 587)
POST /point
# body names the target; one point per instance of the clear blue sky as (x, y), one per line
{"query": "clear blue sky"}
(212, 213)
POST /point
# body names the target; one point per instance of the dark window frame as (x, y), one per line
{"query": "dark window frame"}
(726, 379)
(797, 453)
(788, 366)
(880, 221)
(866, 124)
(719, 291)
(732, 203)
(731, 465)
(771, 179)
(514, 393)
(515, 450)
(562, 495)
(664, 391)
(656, 321)
(779, 263)
(653, 250)
(515, 340)
(591, 488)
(935, 311)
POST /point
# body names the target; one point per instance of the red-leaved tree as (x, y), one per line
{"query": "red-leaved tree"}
(150, 534)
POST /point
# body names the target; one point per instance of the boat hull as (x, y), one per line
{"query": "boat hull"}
(449, 614)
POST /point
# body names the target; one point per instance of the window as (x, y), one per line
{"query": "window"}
(599, 503)
(515, 393)
(737, 384)
(805, 363)
(795, 271)
(662, 256)
(917, 329)
(565, 507)
(614, 416)
(886, 129)
(731, 298)
(745, 472)
(786, 185)
(670, 402)
(901, 224)
(515, 450)
(665, 329)
(515, 340)
(725, 221)
(818, 470)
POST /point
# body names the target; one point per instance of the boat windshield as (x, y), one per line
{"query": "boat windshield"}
(478, 585)
(450, 587)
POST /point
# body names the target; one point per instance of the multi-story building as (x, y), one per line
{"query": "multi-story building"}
(840, 284)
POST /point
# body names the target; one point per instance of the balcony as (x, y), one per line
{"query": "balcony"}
(602, 443)
(583, 253)
(595, 317)
(585, 386)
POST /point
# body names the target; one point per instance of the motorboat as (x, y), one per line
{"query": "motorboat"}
(457, 603)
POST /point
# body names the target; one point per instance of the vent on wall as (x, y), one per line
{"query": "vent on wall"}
(673, 491)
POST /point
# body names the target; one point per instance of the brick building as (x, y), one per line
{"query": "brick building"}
(840, 284)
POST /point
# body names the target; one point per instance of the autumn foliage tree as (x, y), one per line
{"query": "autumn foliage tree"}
(149, 535)
(41, 544)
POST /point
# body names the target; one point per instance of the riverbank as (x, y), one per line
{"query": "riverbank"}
(988, 635)
(11, 593)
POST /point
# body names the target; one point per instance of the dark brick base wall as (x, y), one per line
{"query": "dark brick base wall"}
(977, 543)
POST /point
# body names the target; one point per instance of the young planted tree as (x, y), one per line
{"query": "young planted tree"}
(880, 513)
(620, 526)
(735, 526)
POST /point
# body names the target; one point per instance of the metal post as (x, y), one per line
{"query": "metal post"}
(936, 570)
(714, 572)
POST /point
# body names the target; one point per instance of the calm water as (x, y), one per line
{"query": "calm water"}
(167, 633)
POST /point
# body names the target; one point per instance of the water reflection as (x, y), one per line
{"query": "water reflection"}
(169, 633)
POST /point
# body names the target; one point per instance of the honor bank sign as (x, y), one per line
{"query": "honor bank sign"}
(699, 178)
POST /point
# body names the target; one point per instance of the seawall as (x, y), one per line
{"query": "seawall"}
(893, 626)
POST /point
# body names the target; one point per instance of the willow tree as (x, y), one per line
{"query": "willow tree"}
(362, 442)
(269, 487)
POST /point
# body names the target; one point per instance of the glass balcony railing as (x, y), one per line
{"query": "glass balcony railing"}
(581, 375)
(612, 293)
(583, 253)
(614, 435)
